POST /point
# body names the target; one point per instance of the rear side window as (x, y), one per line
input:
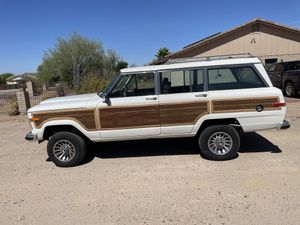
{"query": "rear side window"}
(181, 81)
(233, 78)
(293, 66)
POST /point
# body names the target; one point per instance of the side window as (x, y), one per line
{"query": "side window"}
(174, 82)
(279, 67)
(233, 78)
(275, 67)
(293, 66)
(181, 81)
(248, 78)
(221, 79)
(298, 65)
(119, 89)
(134, 85)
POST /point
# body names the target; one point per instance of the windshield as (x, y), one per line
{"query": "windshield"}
(108, 87)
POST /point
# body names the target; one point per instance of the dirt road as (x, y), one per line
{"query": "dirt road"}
(152, 182)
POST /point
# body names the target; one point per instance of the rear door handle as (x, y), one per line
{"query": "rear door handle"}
(151, 98)
(200, 95)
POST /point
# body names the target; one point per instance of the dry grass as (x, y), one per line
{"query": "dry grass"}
(11, 106)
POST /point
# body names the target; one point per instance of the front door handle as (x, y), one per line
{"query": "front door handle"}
(200, 95)
(151, 98)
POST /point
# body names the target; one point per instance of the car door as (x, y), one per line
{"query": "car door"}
(182, 100)
(275, 73)
(292, 73)
(132, 108)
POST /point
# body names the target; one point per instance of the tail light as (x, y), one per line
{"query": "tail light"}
(278, 104)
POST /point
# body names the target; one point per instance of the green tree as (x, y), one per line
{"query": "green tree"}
(76, 57)
(4, 76)
(121, 65)
(71, 59)
(162, 52)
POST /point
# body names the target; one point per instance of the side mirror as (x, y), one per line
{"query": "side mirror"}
(106, 99)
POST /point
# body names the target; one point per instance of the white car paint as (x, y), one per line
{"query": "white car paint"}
(250, 121)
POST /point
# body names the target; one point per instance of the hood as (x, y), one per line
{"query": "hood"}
(70, 98)
(68, 102)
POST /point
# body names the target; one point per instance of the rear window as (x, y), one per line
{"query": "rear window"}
(233, 78)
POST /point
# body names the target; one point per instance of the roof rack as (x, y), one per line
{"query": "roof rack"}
(209, 58)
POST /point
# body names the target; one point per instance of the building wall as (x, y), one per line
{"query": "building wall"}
(266, 43)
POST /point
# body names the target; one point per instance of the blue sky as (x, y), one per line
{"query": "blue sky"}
(135, 29)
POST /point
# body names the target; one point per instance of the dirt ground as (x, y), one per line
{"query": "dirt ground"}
(152, 182)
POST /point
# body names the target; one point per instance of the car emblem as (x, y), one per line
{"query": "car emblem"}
(259, 108)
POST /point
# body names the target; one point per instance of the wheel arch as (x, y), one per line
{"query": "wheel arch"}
(288, 81)
(52, 129)
(226, 121)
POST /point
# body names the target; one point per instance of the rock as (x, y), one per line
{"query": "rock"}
(21, 218)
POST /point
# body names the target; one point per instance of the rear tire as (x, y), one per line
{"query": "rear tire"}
(289, 89)
(66, 149)
(219, 142)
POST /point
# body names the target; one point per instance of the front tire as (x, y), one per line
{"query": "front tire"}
(289, 89)
(219, 142)
(66, 149)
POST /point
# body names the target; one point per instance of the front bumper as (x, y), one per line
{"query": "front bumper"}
(30, 137)
(285, 125)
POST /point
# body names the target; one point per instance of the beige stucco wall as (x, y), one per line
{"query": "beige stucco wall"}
(261, 44)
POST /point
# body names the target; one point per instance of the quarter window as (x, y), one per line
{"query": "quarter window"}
(233, 78)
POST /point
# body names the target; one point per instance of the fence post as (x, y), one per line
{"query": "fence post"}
(29, 88)
(23, 100)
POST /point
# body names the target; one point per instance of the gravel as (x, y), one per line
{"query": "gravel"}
(152, 182)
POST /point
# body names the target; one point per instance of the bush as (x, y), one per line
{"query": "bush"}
(11, 107)
(92, 83)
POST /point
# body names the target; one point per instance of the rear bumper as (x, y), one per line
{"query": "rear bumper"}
(30, 137)
(285, 125)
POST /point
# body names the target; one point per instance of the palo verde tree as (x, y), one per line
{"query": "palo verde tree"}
(71, 59)
(75, 57)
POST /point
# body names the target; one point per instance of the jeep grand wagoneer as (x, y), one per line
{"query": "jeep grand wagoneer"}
(213, 99)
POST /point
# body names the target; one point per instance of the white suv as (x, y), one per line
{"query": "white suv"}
(212, 99)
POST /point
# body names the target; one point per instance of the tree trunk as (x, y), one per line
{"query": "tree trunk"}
(76, 76)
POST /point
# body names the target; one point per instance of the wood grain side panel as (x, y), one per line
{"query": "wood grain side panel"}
(243, 105)
(84, 117)
(130, 117)
(183, 113)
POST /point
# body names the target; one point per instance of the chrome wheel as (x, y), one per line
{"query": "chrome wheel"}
(220, 143)
(64, 150)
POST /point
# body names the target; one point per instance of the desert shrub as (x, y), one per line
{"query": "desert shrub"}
(92, 83)
(11, 106)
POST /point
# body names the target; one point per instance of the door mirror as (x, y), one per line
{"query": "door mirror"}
(106, 99)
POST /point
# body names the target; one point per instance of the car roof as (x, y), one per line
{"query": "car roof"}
(200, 63)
